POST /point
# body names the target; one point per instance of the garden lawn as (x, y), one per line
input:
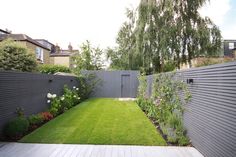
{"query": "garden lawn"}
(99, 121)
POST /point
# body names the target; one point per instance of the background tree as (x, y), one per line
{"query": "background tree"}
(16, 56)
(165, 34)
(88, 58)
(124, 56)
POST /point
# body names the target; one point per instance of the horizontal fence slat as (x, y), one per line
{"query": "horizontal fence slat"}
(210, 116)
(28, 90)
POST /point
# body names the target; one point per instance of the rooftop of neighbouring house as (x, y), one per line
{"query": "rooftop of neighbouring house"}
(22, 37)
(63, 53)
(4, 31)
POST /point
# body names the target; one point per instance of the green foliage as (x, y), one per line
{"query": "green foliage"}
(166, 91)
(169, 66)
(61, 104)
(70, 98)
(165, 105)
(20, 111)
(52, 69)
(15, 56)
(87, 84)
(35, 119)
(16, 127)
(88, 58)
(142, 86)
(164, 32)
(183, 140)
(55, 107)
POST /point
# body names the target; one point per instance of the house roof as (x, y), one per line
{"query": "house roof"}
(22, 37)
(63, 53)
(44, 41)
(6, 32)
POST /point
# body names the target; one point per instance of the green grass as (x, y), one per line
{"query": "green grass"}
(99, 121)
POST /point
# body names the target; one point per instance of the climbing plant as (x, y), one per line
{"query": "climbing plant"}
(166, 105)
(166, 95)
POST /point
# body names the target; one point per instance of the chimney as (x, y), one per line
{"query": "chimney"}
(57, 48)
(70, 48)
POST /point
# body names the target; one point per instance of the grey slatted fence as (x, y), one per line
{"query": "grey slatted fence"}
(115, 84)
(28, 91)
(210, 117)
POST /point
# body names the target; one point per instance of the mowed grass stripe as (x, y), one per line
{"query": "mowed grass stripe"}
(99, 121)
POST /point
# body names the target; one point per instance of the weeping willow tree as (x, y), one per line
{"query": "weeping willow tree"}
(167, 32)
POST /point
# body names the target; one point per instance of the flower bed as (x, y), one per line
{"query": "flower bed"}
(23, 125)
(165, 106)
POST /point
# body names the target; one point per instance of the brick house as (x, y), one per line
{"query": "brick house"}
(62, 57)
(41, 52)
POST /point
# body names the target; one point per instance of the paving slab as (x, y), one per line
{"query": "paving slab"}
(74, 150)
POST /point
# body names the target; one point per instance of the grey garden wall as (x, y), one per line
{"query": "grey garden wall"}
(28, 91)
(210, 117)
(115, 84)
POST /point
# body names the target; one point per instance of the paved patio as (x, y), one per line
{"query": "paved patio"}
(70, 150)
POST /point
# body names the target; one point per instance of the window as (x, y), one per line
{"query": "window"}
(39, 53)
(231, 46)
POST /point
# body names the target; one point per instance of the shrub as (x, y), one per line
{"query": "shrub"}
(16, 128)
(169, 66)
(210, 61)
(170, 105)
(183, 140)
(16, 56)
(165, 105)
(55, 108)
(52, 69)
(69, 99)
(46, 116)
(87, 84)
(35, 119)
(20, 111)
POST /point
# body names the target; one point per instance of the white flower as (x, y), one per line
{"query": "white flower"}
(49, 95)
(77, 88)
(74, 87)
(54, 95)
(74, 96)
(62, 98)
(48, 101)
(78, 98)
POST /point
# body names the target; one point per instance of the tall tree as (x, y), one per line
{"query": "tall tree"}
(170, 32)
(88, 58)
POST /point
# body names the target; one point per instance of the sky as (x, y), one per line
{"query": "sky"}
(74, 21)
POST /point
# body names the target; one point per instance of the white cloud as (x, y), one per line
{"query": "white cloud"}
(220, 12)
(216, 10)
(64, 21)
(229, 32)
